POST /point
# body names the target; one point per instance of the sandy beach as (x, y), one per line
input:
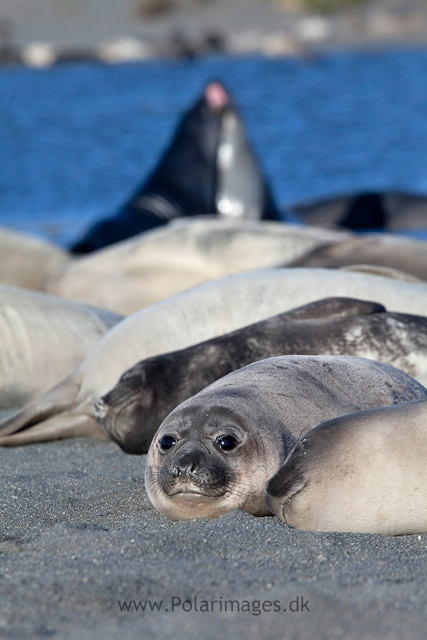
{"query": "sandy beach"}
(79, 536)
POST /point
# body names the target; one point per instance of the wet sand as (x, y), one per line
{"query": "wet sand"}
(78, 535)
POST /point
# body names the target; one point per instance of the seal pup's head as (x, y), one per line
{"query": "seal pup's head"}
(212, 454)
(131, 402)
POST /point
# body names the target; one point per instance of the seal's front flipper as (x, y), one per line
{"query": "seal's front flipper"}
(289, 480)
(335, 308)
(54, 402)
(56, 428)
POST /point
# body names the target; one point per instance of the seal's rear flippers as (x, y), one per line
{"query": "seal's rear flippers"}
(48, 417)
(63, 426)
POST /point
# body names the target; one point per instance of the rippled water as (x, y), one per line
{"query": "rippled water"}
(77, 139)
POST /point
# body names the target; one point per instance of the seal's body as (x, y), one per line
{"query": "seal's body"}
(367, 210)
(364, 472)
(208, 168)
(43, 339)
(384, 250)
(217, 450)
(27, 261)
(133, 274)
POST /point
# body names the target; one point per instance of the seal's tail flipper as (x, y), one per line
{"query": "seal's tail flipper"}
(54, 402)
(59, 427)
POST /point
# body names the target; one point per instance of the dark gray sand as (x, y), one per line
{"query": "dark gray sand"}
(78, 535)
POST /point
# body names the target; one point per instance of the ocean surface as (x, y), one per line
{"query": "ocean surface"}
(77, 139)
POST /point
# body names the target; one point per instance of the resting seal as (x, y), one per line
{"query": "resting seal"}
(153, 266)
(26, 261)
(133, 410)
(43, 339)
(386, 250)
(368, 210)
(364, 472)
(199, 314)
(217, 450)
(209, 167)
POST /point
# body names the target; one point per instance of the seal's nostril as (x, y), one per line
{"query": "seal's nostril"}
(100, 408)
(185, 465)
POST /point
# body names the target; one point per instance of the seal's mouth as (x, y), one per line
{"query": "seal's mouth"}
(184, 490)
(216, 96)
(187, 490)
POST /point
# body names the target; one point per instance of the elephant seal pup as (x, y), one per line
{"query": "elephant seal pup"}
(133, 410)
(193, 316)
(208, 168)
(386, 250)
(217, 450)
(364, 472)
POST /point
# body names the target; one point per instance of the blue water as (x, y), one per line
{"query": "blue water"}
(77, 139)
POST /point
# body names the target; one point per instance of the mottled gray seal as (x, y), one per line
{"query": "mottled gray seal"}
(208, 168)
(133, 410)
(217, 450)
(186, 319)
(364, 472)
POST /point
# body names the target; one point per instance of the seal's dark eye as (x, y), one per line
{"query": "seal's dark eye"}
(226, 443)
(167, 442)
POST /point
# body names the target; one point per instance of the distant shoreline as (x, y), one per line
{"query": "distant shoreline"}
(109, 31)
(44, 55)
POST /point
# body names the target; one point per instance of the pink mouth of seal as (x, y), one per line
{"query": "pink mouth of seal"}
(216, 96)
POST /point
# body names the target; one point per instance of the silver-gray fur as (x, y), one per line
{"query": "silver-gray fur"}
(217, 450)
(365, 472)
